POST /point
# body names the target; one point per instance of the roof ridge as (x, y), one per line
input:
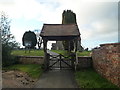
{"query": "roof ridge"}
(59, 24)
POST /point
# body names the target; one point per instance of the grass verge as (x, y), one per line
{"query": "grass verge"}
(33, 70)
(88, 78)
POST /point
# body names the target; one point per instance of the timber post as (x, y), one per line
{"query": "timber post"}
(75, 51)
(45, 54)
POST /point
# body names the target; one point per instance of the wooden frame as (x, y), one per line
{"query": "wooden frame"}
(46, 56)
(59, 32)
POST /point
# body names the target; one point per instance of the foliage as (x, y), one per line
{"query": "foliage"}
(8, 41)
(88, 78)
(29, 37)
(7, 58)
(7, 37)
(32, 53)
(34, 70)
(68, 17)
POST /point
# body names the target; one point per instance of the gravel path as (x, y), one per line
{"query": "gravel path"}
(52, 53)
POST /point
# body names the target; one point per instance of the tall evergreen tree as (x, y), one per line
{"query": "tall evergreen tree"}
(68, 17)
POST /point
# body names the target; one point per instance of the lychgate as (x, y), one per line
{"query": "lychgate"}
(60, 32)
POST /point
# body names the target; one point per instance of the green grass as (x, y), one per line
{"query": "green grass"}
(32, 53)
(41, 53)
(84, 53)
(33, 70)
(88, 78)
(63, 52)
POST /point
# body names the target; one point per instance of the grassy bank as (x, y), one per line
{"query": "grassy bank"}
(33, 70)
(90, 79)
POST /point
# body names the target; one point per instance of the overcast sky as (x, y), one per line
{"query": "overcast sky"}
(97, 19)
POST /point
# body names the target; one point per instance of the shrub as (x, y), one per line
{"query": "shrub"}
(7, 58)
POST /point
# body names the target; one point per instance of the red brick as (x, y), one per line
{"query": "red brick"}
(106, 61)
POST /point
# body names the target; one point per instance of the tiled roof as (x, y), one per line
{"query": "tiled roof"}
(60, 30)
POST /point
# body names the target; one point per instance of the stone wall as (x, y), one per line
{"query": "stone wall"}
(84, 62)
(106, 61)
(31, 59)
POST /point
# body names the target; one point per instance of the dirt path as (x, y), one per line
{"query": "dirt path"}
(16, 79)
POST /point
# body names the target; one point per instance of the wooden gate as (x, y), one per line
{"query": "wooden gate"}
(61, 62)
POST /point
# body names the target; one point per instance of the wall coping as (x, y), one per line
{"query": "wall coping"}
(43, 56)
(109, 44)
(84, 56)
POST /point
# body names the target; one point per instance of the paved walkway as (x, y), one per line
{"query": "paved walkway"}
(62, 78)
(52, 53)
(57, 79)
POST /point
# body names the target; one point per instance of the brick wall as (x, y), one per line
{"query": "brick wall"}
(106, 61)
(84, 62)
(31, 59)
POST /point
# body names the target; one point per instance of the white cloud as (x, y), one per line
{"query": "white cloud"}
(95, 19)
(100, 22)
(18, 33)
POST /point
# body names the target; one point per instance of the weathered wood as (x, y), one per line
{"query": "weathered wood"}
(60, 30)
(45, 54)
(69, 46)
(74, 46)
(75, 53)
(59, 38)
(73, 59)
(48, 60)
(76, 61)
